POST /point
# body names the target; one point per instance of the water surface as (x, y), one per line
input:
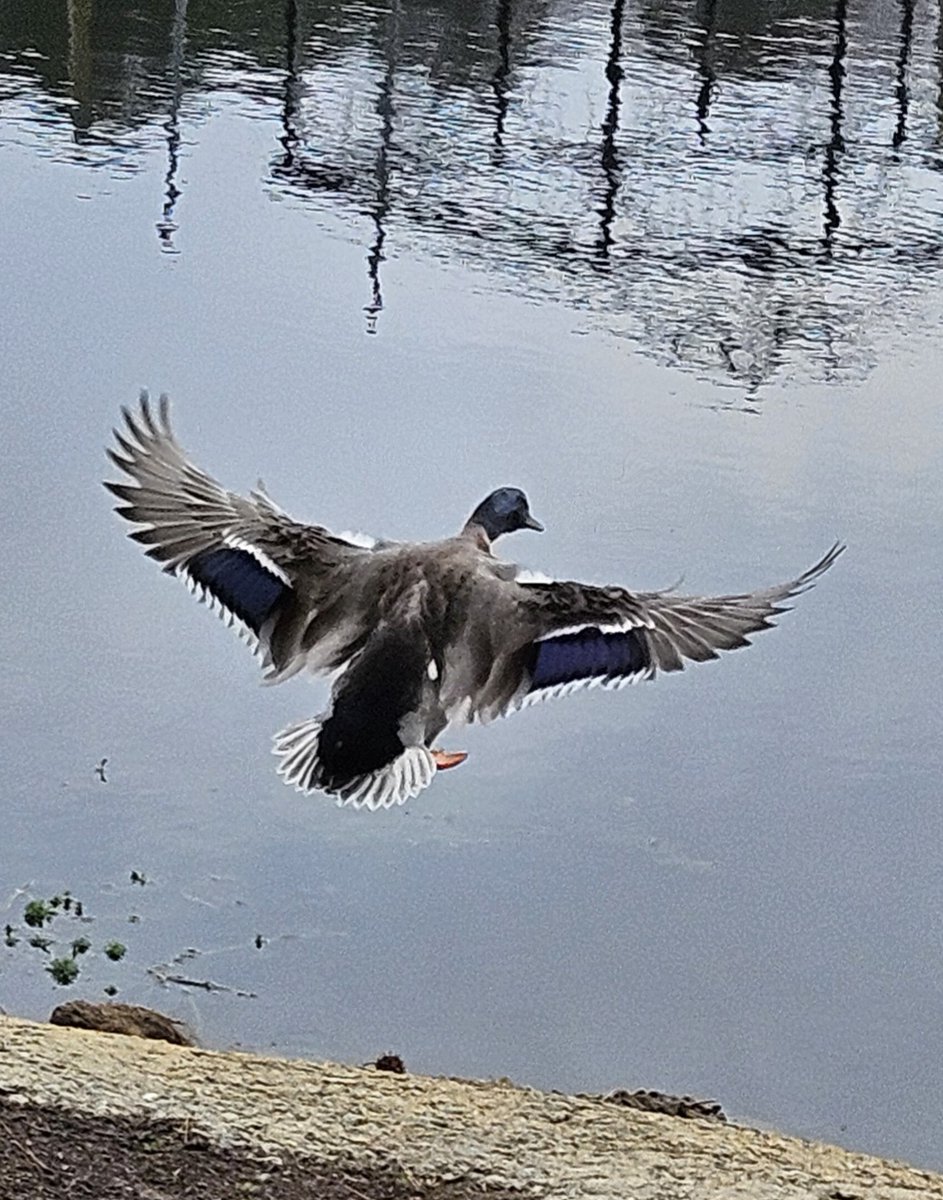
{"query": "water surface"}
(673, 269)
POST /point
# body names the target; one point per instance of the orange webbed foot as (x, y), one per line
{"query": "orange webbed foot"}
(448, 758)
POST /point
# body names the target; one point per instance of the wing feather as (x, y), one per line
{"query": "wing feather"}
(242, 553)
(588, 636)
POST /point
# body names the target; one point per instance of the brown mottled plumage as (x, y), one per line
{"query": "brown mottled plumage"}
(422, 635)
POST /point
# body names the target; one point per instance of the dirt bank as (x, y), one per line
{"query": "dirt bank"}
(90, 1115)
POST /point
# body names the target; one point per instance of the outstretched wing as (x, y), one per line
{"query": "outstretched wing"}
(606, 636)
(280, 580)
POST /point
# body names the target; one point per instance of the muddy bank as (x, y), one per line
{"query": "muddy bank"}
(88, 1115)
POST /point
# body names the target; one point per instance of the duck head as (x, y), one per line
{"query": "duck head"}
(504, 511)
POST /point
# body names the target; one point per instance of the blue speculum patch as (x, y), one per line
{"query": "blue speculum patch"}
(240, 582)
(587, 654)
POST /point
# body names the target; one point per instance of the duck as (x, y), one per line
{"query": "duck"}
(417, 636)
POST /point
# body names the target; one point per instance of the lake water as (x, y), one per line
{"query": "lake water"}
(673, 268)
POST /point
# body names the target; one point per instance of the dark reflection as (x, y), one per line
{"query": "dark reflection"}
(903, 59)
(501, 74)
(294, 167)
(292, 90)
(750, 40)
(610, 127)
(166, 227)
(80, 64)
(716, 250)
(381, 205)
(939, 70)
(707, 17)
(836, 142)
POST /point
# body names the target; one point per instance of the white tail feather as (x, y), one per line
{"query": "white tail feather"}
(399, 781)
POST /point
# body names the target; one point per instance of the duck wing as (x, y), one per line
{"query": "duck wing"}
(281, 582)
(608, 636)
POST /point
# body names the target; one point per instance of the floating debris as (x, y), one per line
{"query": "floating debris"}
(100, 770)
(15, 895)
(206, 985)
(259, 941)
(81, 945)
(115, 950)
(138, 877)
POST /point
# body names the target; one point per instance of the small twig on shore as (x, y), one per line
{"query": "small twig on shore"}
(353, 1191)
(27, 1150)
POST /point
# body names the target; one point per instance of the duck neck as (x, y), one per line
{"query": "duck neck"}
(478, 535)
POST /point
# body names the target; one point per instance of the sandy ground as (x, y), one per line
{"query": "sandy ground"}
(94, 1115)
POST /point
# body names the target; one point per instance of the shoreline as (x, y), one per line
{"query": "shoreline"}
(290, 1128)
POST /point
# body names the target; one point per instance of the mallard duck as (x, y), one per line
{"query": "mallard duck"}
(420, 635)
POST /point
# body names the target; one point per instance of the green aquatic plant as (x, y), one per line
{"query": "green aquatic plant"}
(63, 970)
(38, 912)
(64, 952)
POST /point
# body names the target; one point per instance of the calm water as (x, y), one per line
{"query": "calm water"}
(674, 269)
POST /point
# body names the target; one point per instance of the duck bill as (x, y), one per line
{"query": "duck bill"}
(531, 523)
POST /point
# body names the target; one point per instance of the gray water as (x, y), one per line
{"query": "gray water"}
(672, 268)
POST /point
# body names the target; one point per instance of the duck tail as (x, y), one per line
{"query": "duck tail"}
(301, 766)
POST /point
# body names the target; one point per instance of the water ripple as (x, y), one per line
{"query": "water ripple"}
(749, 197)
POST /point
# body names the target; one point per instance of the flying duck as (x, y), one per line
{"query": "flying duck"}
(420, 635)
